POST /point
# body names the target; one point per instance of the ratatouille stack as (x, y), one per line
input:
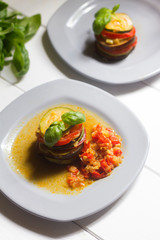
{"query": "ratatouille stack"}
(61, 135)
(115, 34)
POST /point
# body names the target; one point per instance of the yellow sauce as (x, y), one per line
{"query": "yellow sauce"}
(37, 170)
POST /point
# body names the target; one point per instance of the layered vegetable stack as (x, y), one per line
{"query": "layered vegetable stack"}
(61, 135)
(115, 34)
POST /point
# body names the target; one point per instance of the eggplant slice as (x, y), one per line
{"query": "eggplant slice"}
(59, 157)
(111, 58)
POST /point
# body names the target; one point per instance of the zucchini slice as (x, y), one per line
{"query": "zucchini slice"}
(120, 22)
(53, 114)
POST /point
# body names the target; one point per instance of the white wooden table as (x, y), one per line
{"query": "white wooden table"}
(136, 215)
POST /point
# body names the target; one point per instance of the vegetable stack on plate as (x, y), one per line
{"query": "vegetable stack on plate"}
(61, 135)
(115, 34)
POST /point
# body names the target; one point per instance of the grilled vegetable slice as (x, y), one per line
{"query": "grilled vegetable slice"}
(120, 22)
(73, 133)
(114, 35)
(54, 114)
(60, 157)
(119, 49)
(112, 57)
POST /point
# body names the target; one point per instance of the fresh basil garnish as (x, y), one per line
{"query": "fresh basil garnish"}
(73, 118)
(15, 30)
(115, 8)
(20, 64)
(56, 130)
(60, 124)
(102, 18)
(54, 133)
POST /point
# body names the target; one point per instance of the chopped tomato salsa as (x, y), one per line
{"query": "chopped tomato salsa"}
(98, 157)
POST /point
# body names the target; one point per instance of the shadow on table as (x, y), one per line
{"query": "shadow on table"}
(34, 223)
(116, 90)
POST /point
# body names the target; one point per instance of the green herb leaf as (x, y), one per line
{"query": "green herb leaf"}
(1, 60)
(60, 124)
(3, 9)
(13, 14)
(14, 32)
(115, 8)
(73, 118)
(102, 18)
(7, 28)
(16, 35)
(52, 135)
(20, 60)
(102, 11)
(30, 25)
(3, 5)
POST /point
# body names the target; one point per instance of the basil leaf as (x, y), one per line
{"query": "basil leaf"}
(60, 124)
(102, 18)
(1, 55)
(3, 5)
(8, 46)
(11, 15)
(73, 118)
(3, 9)
(1, 45)
(30, 25)
(115, 8)
(100, 22)
(1, 60)
(6, 28)
(16, 35)
(21, 61)
(101, 12)
(52, 135)
(14, 32)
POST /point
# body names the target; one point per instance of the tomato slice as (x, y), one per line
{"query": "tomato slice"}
(73, 133)
(113, 35)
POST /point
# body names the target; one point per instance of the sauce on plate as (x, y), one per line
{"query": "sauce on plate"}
(29, 164)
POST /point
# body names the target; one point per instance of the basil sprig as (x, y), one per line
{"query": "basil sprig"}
(56, 130)
(15, 31)
(73, 118)
(54, 133)
(103, 17)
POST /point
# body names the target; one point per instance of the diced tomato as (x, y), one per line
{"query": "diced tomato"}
(104, 164)
(114, 140)
(96, 175)
(88, 155)
(109, 160)
(99, 137)
(113, 35)
(73, 169)
(73, 133)
(117, 151)
(85, 173)
(86, 146)
(109, 130)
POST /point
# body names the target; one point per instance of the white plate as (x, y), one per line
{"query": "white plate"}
(99, 194)
(70, 32)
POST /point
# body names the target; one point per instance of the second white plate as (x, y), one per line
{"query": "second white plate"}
(70, 32)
